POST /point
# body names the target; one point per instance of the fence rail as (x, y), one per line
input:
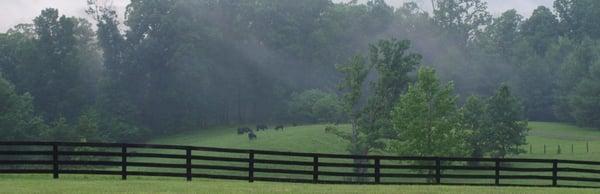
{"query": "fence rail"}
(117, 159)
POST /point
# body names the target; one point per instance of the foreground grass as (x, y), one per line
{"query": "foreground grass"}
(71, 185)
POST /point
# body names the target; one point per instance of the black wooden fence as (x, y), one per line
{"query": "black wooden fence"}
(56, 157)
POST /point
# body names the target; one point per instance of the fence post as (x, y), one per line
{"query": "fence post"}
(438, 170)
(530, 149)
(497, 169)
(251, 166)
(572, 149)
(587, 146)
(124, 162)
(377, 170)
(554, 172)
(315, 169)
(544, 148)
(188, 164)
(55, 160)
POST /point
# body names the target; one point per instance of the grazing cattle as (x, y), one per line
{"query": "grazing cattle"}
(251, 136)
(278, 127)
(243, 130)
(261, 127)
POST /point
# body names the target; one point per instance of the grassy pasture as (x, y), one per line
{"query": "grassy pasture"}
(565, 135)
(312, 138)
(93, 184)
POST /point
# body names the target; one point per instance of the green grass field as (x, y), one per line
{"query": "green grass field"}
(554, 134)
(312, 138)
(307, 138)
(89, 185)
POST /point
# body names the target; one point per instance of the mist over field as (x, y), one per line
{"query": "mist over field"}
(491, 92)
(464, 76)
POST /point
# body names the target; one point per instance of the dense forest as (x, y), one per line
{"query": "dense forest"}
(177, 65)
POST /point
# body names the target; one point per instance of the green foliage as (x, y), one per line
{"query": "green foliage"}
(355, 73)
(503, 33)
(60, 130)
(427, 119)
(17, 118)
(463, 19)
(577, 18)
(540, 29)
(370, 111)
(572, 71)
(497, 125)
(315, 106)
(475, 121)
(585, 99)
(88, 126)
(507, 124)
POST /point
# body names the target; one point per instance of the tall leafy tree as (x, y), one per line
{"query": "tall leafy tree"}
(577, 18)
(541, 29)
(355, 73)
(475, 121)
(462, 18)
(534, 65)
(571, 71)
(61, 73)
(507, 127)
(503, 33)
(585, 99)
(369, 108)
(427, 119)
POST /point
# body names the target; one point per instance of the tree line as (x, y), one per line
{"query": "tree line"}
(179, 65)
(419, 115)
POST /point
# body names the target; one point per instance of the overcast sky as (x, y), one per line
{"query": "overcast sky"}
(13, 12)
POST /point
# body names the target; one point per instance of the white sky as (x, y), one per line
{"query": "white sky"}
(13, 12)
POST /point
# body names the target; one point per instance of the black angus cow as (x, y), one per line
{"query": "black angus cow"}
(243, 130)
(278, 127)
(261, 127)
(251, 136)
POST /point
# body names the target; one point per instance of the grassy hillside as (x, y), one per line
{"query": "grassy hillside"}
(74, 185)
(307, 138)
(312, 138)
(554, 134)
